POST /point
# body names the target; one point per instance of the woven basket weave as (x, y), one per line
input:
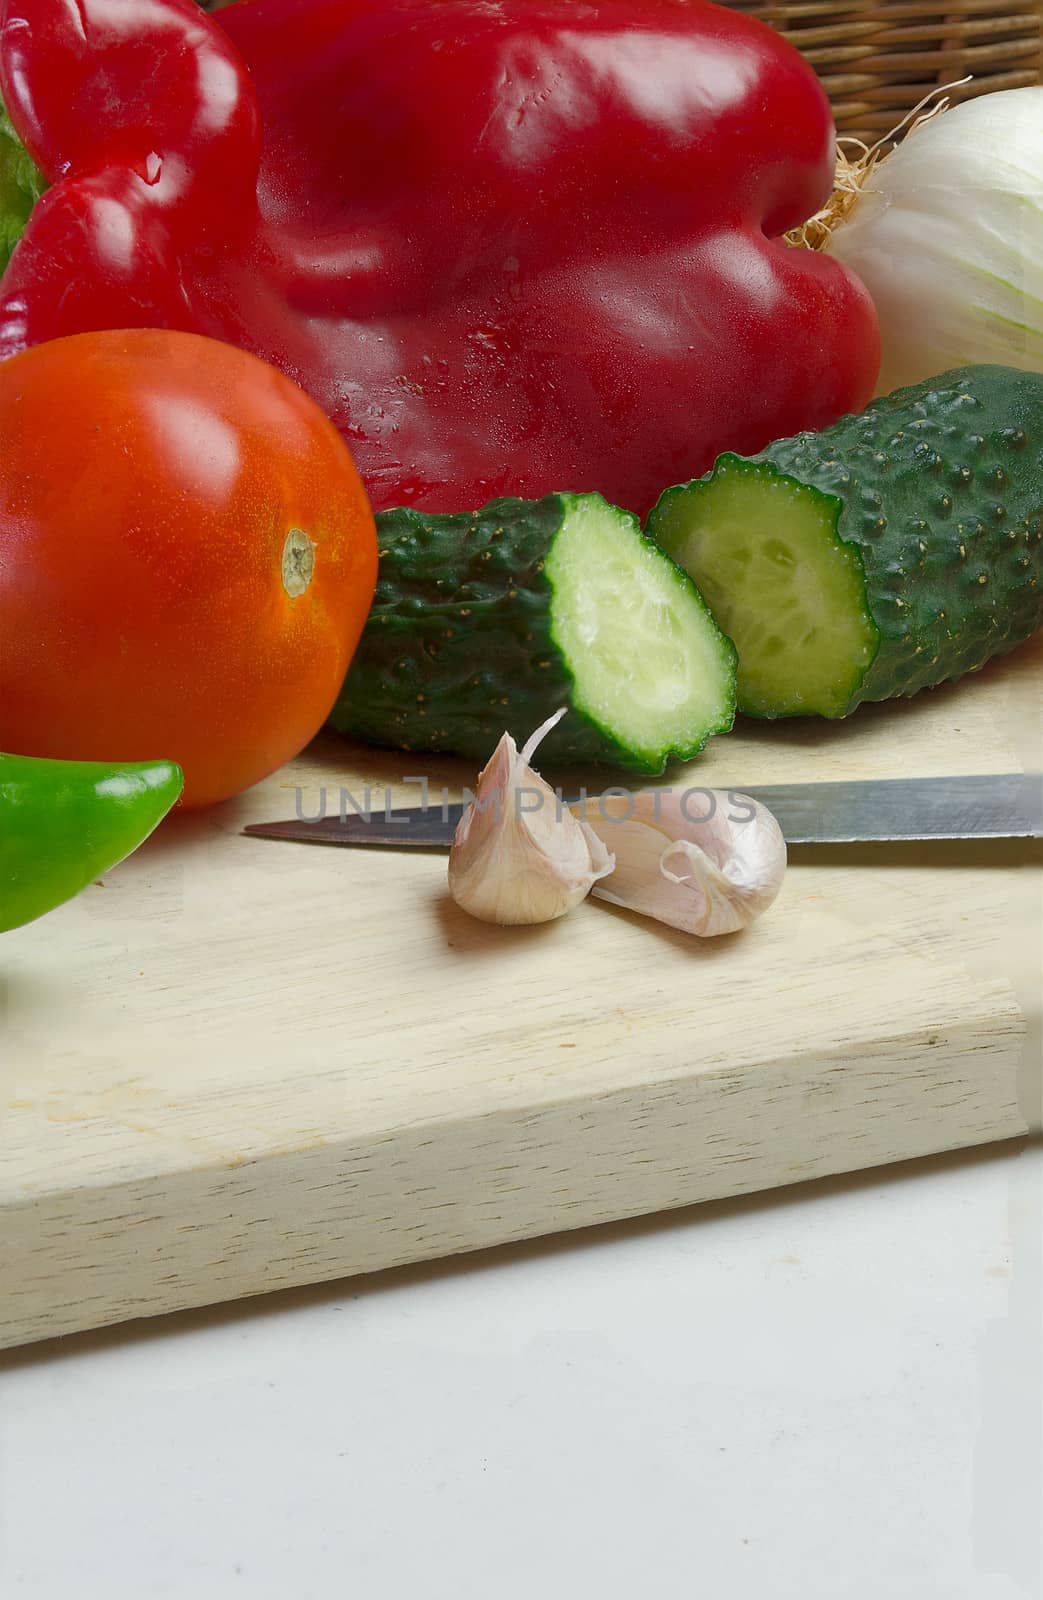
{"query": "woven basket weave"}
(878, 60)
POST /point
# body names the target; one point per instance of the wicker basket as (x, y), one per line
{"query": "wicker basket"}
(878, 60)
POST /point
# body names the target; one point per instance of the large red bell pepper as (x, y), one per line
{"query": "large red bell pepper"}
(509, 245)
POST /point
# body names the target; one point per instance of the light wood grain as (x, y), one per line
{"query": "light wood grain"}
(238, 1065)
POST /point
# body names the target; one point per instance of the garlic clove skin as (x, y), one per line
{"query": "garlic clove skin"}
(519, 856)
(708, 876)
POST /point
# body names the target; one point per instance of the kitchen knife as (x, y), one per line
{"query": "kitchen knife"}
(1003, 806)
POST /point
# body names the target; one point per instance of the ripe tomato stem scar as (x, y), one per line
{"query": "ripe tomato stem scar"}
(298, 562)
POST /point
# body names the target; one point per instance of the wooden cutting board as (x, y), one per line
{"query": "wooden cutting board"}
(236, 1065)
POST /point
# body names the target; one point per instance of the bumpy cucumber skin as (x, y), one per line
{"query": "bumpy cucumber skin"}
(458, 646)
(940, 488)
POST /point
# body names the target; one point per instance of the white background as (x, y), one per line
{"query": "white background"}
(829, 1393)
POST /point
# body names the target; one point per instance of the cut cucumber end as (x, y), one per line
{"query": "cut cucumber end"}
(650, 665)
(765, 552)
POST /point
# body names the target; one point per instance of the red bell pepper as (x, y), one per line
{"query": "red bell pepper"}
(509, 247)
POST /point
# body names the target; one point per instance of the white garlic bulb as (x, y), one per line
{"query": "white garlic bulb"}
(520, 856)
(706, 861)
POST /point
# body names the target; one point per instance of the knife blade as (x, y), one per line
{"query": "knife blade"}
(991, 806)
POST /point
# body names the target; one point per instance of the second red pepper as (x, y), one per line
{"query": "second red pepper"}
(510, 248)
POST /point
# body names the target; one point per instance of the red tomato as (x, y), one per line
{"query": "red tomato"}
(187, 557)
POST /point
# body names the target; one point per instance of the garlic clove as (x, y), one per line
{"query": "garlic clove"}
(519, 856)
(706, 861)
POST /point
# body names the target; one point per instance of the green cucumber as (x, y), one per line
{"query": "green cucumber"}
(491, 620)
(892, 551)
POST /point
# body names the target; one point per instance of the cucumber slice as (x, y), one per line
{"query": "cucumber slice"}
(494, 619)
(650, 667)
(895, 550)
(780, 581)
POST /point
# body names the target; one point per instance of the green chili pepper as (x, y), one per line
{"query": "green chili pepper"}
(21, 185)
(62, 823)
